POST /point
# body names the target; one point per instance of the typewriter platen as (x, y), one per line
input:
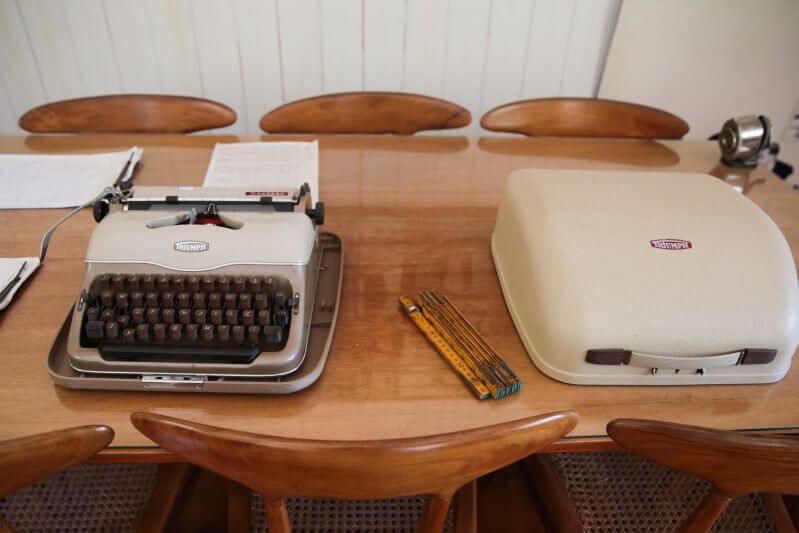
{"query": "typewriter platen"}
(185, 285)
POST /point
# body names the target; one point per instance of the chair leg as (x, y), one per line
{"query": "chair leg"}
(238, 507)
(171, 480)
(435, 513)
(706, 514)
(779, 513)
(466, 508)
(277, 517)
(548, 486)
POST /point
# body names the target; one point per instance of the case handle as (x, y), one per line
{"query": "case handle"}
(618, 356)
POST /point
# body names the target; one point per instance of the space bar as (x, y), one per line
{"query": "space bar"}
(205, 354)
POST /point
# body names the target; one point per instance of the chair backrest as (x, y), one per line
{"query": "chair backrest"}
(28, 460)
(366, 113)
(278, 467)
(733, 463)
(584, 117)
(128, 113)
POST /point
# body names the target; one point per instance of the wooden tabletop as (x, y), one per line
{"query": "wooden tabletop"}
(413, 213)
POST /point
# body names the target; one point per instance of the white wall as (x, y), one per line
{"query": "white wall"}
(708, 60)
(254, 55)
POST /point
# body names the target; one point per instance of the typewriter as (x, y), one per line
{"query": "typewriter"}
(191, 287)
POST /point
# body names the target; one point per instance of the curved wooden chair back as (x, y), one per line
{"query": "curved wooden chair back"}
(366, 113)
(28, 460)
(733, 463)
(278, 467)
(584, 117)
(128, 113)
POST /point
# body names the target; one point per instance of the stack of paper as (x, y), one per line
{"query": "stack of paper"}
(260, 164)
(37, 181)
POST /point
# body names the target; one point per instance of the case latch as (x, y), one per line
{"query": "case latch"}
(172, 382)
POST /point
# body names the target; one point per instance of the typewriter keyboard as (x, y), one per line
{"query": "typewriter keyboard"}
(229, 319)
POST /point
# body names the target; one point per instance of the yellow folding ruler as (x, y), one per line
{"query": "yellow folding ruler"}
(454, 360)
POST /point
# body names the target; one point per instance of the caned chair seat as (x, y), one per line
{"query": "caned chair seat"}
(92, 497)
(621, 492)
(400, 515)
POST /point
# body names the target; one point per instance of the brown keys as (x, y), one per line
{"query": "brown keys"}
(153, 315)
(216, 316)
(273, 334)
(137, 299)
(245, 301)
(123, 302)
(223, 284)
(264, 318)
(129, 336)
(137, 315)
(184, 316)
(232, 317)
(107, 314)
(230, 301)
(193, 283)
(93, 313)
(124, 321)
(162, 282)
(261, 301)
(223, 332)
(159, 331)
(152, 299)
(118, 282)
(133, 283)
(253, 332)
(238, 284)
(184, 300)
(105, 280)
(191, 332)
(148, 283)
(200, 316)
(111, 330)
(143, 332)
(169, 316)
(208, 284)
(107, 298)
(237, 333)
(248, 317)
(95, 329)
(207, 332)
(199, 299)
(175, 332)
(178, 283)
(254, 284)
(168, 299)
(215, 300)
(281, 317)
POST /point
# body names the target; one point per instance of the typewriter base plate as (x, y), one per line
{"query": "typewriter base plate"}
(328, 291)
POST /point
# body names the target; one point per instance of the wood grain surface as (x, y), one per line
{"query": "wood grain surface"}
(434, 465)
(128, 113)
(413, 213)
(584, 117)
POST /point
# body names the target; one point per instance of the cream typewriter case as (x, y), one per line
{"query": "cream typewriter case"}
(645, 278)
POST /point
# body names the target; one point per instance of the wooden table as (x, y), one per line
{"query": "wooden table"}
(413, 212)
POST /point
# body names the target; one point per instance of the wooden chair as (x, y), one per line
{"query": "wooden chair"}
(278, 467)
(366, 113)
(733, 464)
(28, 460)
(584, 117)
(128, 113)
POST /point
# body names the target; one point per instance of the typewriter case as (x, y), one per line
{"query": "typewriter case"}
(645, 278)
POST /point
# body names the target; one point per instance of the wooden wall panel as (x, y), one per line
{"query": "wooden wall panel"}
(255, 55)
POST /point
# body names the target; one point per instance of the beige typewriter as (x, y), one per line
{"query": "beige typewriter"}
(219, 290)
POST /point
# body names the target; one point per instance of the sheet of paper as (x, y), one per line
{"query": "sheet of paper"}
(38, 181)
(265, 164)
(9, 268)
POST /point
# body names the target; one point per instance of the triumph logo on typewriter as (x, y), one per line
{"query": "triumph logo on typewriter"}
(191, 246)
(670, 244)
